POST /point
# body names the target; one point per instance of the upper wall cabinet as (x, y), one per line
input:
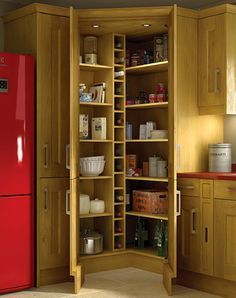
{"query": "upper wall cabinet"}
(217, 64)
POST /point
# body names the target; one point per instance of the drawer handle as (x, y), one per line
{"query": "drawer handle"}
(206, 235)
(45, 156)
(45, 199)
(217, 80)
(178, 205)
(231, 189)
(193, 221)
(187, 187)
(68, 202)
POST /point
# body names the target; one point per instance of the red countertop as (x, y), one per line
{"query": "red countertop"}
(207, 175)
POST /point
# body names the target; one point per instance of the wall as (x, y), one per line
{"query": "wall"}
(230, 133)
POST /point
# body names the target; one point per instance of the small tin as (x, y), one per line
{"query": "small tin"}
(152, 98)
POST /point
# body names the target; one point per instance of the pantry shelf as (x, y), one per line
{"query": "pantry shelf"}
(105, 253)
(90, 215)
(95, 177)
(147, 251)
(95, 141)
(96, 104)
(141, 178)
(148, 68)
(147, 141)
(158, 105)
(94, 67)
(147, 215)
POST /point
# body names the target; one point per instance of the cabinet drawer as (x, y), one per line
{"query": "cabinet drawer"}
(189, 187)
(225, 189)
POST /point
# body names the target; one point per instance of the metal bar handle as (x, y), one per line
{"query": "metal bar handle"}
(178, 205)
(68, 202)
(68, 156)
(187, 187)
(217, 80)
(45, 199)
(206, 235)
(193, 219)
(45, 156)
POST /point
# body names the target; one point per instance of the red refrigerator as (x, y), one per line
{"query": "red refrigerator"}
(16, 172)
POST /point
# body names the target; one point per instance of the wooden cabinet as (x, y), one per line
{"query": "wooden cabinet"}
(189, 225)
(216, 52)
(53, 222)
(224, 230)
(195, 230)
(52, 95)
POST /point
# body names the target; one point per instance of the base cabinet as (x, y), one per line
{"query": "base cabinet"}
(53, 246)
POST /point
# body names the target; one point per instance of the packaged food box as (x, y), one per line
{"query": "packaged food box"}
(84, 126)
(99, 128)
(131, 161)
(150, 201)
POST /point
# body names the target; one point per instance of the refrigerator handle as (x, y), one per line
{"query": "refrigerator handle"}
(68, 156)
(68, 202)
(45, 199)
(45, 156)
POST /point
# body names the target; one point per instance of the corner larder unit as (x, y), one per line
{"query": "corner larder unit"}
(179, 115)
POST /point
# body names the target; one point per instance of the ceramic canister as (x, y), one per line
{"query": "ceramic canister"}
(97, 206)
(153, 166)
(84, 203)
(162, 168)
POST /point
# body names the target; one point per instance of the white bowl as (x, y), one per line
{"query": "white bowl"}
(91, 168)
(97, 158)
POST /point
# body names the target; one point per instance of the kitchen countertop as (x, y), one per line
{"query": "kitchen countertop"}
(208, 175)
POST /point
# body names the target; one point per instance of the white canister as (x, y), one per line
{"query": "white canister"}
(161, 168)
(153, 166)
(220, 157)
(90, 58)
(84, 204)
(97, 206)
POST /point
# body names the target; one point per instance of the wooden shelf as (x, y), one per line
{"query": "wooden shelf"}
(96, 104)
(119, 65)
(118, 111)
(94, 177)
(118, 218)
(148, 68)
(147, 215)
(95, 215)
(119, 80)
(154, 179)
(105, 253)
(119, 126)
(147, 141)
(119, 157)
(118, 188)
(119, 96)
(118, 142)
(119, 234)
(95, 141)
(147, 251)
(94, 67)
(119, 173)
(119, 50)
(156, 105)
(118, 203)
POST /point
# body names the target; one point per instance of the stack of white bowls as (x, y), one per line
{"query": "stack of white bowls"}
(92, 166)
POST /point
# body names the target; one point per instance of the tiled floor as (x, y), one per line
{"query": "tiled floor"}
(122, 283)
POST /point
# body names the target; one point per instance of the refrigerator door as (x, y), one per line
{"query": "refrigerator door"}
(16, 243)
(16, 124)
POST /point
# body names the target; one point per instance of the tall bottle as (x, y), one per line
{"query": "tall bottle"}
(128, 197)
(161, 239)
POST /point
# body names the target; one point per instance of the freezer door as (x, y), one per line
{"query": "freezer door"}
(16, 243)
(16, 124)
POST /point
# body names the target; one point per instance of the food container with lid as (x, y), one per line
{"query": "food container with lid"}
(162, 168)
(91, 243)
(90, 49)
(97, 206)
(220, 157)
(84, 203)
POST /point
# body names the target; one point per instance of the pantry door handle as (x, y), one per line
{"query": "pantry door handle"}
(45, 200)
(206, 235)
(67, 202)
(217, 80)
(68, 156)
(231, 189)
(193, 221)
(45, 156)
(178, 203)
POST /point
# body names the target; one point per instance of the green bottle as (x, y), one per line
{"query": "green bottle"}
(161, 239)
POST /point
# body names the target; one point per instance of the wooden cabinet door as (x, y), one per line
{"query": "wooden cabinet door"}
(53, 223)
(225, 239)
(52, 95)
(212, 64)
(189, 234)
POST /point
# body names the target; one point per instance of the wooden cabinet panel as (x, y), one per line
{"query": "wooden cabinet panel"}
(225, 189)
(53, 227)
(189, 234)
(224, 239)
(212, 62)
(52, 95)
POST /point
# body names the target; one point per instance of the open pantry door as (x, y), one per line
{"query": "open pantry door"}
(75, 268)
(170, 268)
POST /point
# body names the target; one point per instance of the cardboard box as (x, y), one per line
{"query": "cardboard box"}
(84, 126)
(99, 128)
(150, 201)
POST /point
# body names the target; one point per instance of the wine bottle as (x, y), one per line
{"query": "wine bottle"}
(128, 197)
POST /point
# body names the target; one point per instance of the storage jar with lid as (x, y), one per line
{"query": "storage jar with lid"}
(90, 49)
(84, 203)
(97, 206)
(220, 157)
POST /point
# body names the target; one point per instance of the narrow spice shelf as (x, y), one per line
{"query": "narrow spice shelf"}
(141, 178)
(147, 215)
